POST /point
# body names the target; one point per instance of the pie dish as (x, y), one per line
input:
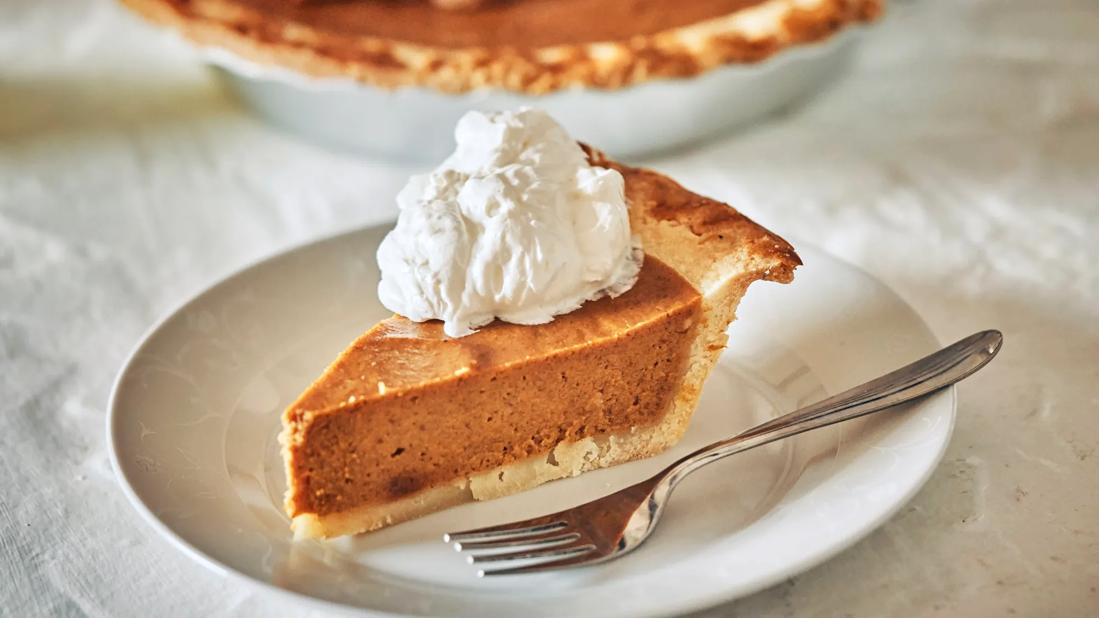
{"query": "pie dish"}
(407, 421)
(371, 93)
(527, 46)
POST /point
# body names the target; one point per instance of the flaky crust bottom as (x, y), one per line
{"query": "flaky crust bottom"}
(567, 460)
(746, 36)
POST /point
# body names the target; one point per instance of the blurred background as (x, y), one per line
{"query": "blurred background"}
(954, 157)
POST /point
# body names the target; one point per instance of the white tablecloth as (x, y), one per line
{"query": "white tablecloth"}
(959, 162)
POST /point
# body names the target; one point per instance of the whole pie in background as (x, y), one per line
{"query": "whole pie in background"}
(529, 46)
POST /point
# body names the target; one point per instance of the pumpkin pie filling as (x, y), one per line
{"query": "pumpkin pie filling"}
(406, 408)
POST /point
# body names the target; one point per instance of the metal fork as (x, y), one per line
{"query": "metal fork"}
(616, 524)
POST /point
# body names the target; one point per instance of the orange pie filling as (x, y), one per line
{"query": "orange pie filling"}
(409, 415)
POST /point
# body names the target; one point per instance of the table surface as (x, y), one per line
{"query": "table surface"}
(958, 162)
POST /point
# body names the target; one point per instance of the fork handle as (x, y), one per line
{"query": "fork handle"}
(925, 376)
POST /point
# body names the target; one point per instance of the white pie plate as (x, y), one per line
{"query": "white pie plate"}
(195, 412)
(417, 124)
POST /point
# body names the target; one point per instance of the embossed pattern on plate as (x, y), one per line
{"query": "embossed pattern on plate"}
(195, 414)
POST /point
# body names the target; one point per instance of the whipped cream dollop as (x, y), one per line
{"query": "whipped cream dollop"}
(514, 225)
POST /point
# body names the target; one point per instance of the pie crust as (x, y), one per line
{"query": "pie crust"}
(746, 35)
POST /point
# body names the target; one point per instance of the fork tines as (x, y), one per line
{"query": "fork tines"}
(540, 545)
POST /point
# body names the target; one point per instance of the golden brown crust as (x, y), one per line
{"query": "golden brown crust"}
(672, 219)
(745, 36)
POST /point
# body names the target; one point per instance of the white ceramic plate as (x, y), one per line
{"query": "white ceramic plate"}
(195, 412)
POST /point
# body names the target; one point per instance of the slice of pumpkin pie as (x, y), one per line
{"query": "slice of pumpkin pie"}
(557, 312)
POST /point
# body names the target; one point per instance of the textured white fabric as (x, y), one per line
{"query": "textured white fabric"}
(959, 162)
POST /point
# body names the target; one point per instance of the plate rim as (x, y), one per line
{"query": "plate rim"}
(694, 603)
